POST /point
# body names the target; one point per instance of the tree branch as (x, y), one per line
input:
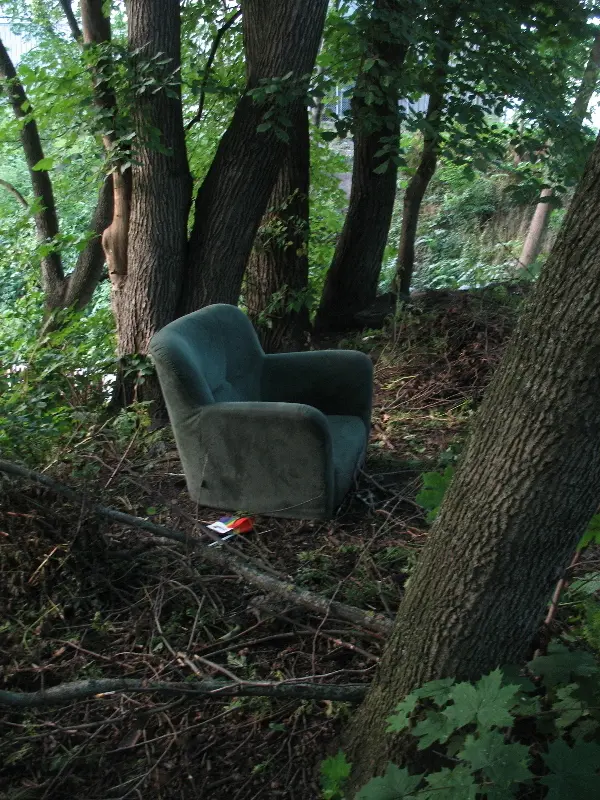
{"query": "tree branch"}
(77, 690)
(71, 19)
(589, 81)
(15, 192)
(46, 219)
(215, 555)
(209, 62)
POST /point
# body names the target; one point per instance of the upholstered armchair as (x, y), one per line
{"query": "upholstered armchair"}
(281, 435)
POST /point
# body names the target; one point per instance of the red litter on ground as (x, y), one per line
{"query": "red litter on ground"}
(231, 526)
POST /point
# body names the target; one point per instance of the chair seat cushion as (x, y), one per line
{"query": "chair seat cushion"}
(349, 441)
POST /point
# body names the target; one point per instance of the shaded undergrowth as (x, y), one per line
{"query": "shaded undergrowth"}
(82, 598)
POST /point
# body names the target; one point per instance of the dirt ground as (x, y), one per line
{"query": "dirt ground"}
(83, 598)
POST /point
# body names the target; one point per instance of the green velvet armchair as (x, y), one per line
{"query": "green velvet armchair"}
(281, 435)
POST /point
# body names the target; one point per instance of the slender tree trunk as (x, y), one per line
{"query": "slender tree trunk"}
(413, 198)
(145, 298)
(71, 19)
(96, 31)
(281, 36)
(76, 289)
(277, 274)
(353, 277)
(527, 485)
(537, 228)
(82, 282)
(417, 186)
(541, 217)
(46, 219)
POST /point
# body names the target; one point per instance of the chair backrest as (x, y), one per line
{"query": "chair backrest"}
(210, 356)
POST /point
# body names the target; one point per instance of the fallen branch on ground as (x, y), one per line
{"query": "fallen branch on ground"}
(227, 560)
(67, 693)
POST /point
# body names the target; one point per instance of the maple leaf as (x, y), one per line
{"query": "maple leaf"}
(503, 764)
(574, 770)
(487, 702)
(450, 784)
(396, 784)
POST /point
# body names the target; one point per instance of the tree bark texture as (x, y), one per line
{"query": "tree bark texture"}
(277, 272)
(541, 216)
(146, 299)
(281, 36)
(417, 186)
(527, 485)
(46, 218)
(353, 277)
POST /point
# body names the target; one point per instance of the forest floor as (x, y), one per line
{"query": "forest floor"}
(83, 598)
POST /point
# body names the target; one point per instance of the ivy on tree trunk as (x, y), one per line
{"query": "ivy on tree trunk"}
(281, 37)
(276, 282)
(352, 279)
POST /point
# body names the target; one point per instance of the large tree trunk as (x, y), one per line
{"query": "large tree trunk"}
(277, 274)
(46, 218)
(281, 37)
(352, 280)
(146, 299)
(417, 186)
(527, 485)
(541, 216)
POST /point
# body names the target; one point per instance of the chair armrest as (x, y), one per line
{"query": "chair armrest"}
(258, 457)
(334, 381)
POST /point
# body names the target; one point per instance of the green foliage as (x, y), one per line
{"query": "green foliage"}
(476, 727)
(592, 534)
(395, 784)
(277, 96)
(573, 770)
(562, 664)
(433, 491)
(327, 201)
(335, 771)
(52, 387)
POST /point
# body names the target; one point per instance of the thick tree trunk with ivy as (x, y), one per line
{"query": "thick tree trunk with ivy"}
(543, 210)
(417, 186)
(281, 37)
(525, 489)
(352, 279)
(147, 285)
(146, 298)
(276, 280)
